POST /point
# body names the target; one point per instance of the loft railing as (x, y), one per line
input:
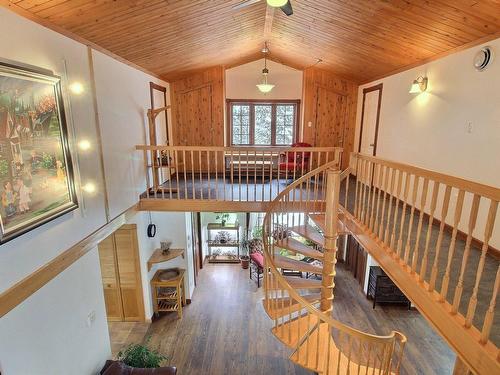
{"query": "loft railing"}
(320, 343)
(439, 230)
(251, 174)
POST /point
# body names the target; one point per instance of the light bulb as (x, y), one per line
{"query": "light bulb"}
(89, 187)
(76, 88)
(84, 145)
(276, 3)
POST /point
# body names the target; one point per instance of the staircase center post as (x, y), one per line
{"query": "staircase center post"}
(330, 234)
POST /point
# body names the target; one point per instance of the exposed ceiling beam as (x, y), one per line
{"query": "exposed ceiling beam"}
(268, 24)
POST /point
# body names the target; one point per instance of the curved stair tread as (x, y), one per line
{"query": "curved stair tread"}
(309, 232)
(298, 247)
(285, 306)
(299, 283)
(320, 221)
(283, 262)
(289, 333)
(308, 355)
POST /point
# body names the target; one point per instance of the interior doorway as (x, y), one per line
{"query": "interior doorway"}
(370, 118)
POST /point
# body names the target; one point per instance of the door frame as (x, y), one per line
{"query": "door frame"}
(152, 87)
(379, 88)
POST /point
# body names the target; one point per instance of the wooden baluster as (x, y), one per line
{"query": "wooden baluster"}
(224, 163)
(239, 175)
(216, 161)
(444, 213)
(192, 174)
(263, 176)
(208, 173)
(396, 210)
(146, 169)
(472, 224)
(488, 230)
(399, 248)
(416, 180)
(248, 165)
(201, 173)
(389, 208)
(423, 201)
(356, 194)
(369, 206)
(373, 186)
(176, 163)
(451, 250)
(423, 266)
(490, 313)
(381, 173)
(384, 199)
(185, 177)
(363, 190)
(169, 165)
(255, 176)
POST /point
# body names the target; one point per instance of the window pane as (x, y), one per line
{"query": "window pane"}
(241, 124)
(285, 124)
(263, 124)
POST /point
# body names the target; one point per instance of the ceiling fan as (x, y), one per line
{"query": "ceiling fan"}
(284, 5)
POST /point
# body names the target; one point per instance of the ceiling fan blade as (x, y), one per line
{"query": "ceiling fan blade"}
(287, 8)
(245, 4)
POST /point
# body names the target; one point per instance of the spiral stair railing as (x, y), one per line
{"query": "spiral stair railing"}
(319, 342)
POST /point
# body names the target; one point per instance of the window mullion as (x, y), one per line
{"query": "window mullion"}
(252, 124)
(273, 125)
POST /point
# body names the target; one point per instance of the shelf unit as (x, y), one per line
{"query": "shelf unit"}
(212, 230)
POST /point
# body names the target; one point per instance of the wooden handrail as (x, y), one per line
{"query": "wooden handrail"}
(275, 283)
(391, 201)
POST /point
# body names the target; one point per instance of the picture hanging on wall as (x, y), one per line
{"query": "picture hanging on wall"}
(36, 175)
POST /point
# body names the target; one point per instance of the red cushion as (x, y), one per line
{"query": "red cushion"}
(258, 258)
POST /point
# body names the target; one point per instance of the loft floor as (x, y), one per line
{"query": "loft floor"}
(225, 330)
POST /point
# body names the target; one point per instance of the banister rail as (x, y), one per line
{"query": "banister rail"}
(345, 349)
(441, 230)
(250, 174)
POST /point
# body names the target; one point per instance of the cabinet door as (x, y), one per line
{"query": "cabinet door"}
(110, 279)
(129, 273)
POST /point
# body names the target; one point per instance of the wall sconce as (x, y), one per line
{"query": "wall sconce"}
(419, 85)
(89, 187)
(84, 145)
(76, 88)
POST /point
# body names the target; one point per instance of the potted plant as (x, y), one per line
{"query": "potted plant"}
(244, 258)
(223, 217)
(140, 356)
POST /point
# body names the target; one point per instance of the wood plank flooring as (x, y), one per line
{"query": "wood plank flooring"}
(226, 331)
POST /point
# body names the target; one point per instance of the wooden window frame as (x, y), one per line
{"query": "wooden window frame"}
(252, 103)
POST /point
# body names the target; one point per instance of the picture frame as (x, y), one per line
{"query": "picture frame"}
(36, 170)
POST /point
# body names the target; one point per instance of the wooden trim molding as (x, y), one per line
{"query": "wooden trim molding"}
(379, 88)
(26, 287)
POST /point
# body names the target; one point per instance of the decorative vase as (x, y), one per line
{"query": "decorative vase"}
(245, 261)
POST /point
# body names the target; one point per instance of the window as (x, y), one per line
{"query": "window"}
(262, 123)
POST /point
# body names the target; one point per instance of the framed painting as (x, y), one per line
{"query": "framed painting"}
(36, 174)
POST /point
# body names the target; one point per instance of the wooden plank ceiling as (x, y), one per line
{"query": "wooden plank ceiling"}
(360, 40)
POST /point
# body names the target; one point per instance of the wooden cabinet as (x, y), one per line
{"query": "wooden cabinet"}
(121, 275)
(383, 290)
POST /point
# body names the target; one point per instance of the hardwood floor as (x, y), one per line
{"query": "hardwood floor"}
(226, 331)
(124, 333)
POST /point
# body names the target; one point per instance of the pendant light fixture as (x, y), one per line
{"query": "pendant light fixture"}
(264, 86)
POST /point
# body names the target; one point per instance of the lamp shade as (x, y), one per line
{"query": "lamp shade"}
(265, 87)
(276, 3)
(418, 85)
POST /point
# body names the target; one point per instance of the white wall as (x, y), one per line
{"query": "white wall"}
(47, 333)
(430, 129)
(123, 98)
(170, 226)
(241, 81)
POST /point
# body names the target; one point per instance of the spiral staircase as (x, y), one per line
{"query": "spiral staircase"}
(304, 219)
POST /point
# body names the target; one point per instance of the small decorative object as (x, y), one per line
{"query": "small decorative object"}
(164, 158)
(168, 274)
(216, 253)
(223, 237)
(483, 58)
(36, 174)
(245, 261)
(140, 356)
(165, 247)
(223, 217)
(151, 227)
(281, 232)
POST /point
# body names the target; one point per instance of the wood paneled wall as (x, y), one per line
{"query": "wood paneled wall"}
(198, 109)
(329, 105)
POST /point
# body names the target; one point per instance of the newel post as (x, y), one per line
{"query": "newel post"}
(330, 249)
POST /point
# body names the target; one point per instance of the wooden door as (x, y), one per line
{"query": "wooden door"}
(129, 272)
(110, 282)
(331, 111)
(370, 118)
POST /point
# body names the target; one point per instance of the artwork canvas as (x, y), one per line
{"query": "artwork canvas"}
(36, 177)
